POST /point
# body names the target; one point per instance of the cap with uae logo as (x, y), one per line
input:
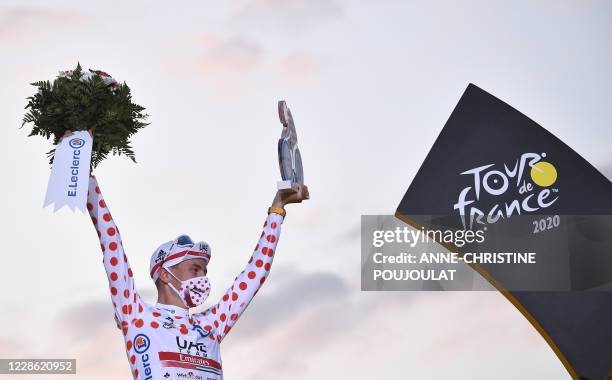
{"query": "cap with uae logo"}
(175, 251)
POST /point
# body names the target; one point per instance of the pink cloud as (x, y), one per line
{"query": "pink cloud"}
(233, 56)
(291, 16)
(298, 68)
(227, 64)
(20, 25)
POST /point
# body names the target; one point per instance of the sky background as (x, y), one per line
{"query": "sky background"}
(370, 85)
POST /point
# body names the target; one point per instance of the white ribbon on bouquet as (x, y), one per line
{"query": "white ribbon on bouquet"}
(69, 178)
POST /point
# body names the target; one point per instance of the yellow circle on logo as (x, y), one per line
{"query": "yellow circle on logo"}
(543, 174)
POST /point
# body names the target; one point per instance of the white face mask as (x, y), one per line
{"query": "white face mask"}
(194, 291)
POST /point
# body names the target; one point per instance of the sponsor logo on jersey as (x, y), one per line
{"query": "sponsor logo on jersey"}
(141, 345)
(189, 375)
(190, 362)
(171, 311)
(187, 346)
(203, 333)
(169, 323)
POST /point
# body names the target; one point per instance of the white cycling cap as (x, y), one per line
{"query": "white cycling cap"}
(175, 251)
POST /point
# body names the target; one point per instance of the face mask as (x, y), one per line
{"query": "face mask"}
(194, 291)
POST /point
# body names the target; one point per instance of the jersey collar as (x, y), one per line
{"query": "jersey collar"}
(174, 310)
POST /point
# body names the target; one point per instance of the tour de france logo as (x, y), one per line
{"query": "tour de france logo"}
(76, 143)
(520, 187)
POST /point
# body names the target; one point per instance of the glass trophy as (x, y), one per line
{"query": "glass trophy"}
(289, 158)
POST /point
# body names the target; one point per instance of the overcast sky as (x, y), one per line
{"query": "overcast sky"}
(370, 85)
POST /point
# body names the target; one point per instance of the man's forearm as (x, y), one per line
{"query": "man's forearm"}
(227, 311)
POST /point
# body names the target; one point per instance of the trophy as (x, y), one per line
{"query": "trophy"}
(289, 158)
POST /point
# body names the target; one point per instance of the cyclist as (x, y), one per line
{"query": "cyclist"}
(173, 339)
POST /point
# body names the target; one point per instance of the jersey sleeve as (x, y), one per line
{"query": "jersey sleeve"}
(126, 301)
(236, 299)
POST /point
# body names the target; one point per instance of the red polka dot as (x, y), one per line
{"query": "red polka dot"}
(139, 323)
(271, 252)
(208, 327)
(125, 309)
(216, 323)
(212, 337)
(222, 317)
(154, 324)
(252, 275)
(259, 263)
(139, 305)
(271, 238)
(226, 297)
(267, 266)
(124, 328)
(273, 225)
(114, 276)
(178, 317)
(114, 261)
(110, 231)
(264, 250)
(234, 316)
(184, 330)
(133, 359)
(112, 246)
(89, 206)
(226, 329)
(126, 293)
(106, 217)
(97, 190)
(130, 272)
(136, 373)
(101, 203)
(243, 285)
(156, 314)
(94, 220)
(114, 291)
(234, 296)
(129, 345)
(261, 281)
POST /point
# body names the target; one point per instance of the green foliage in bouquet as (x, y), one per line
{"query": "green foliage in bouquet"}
(79, 101)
